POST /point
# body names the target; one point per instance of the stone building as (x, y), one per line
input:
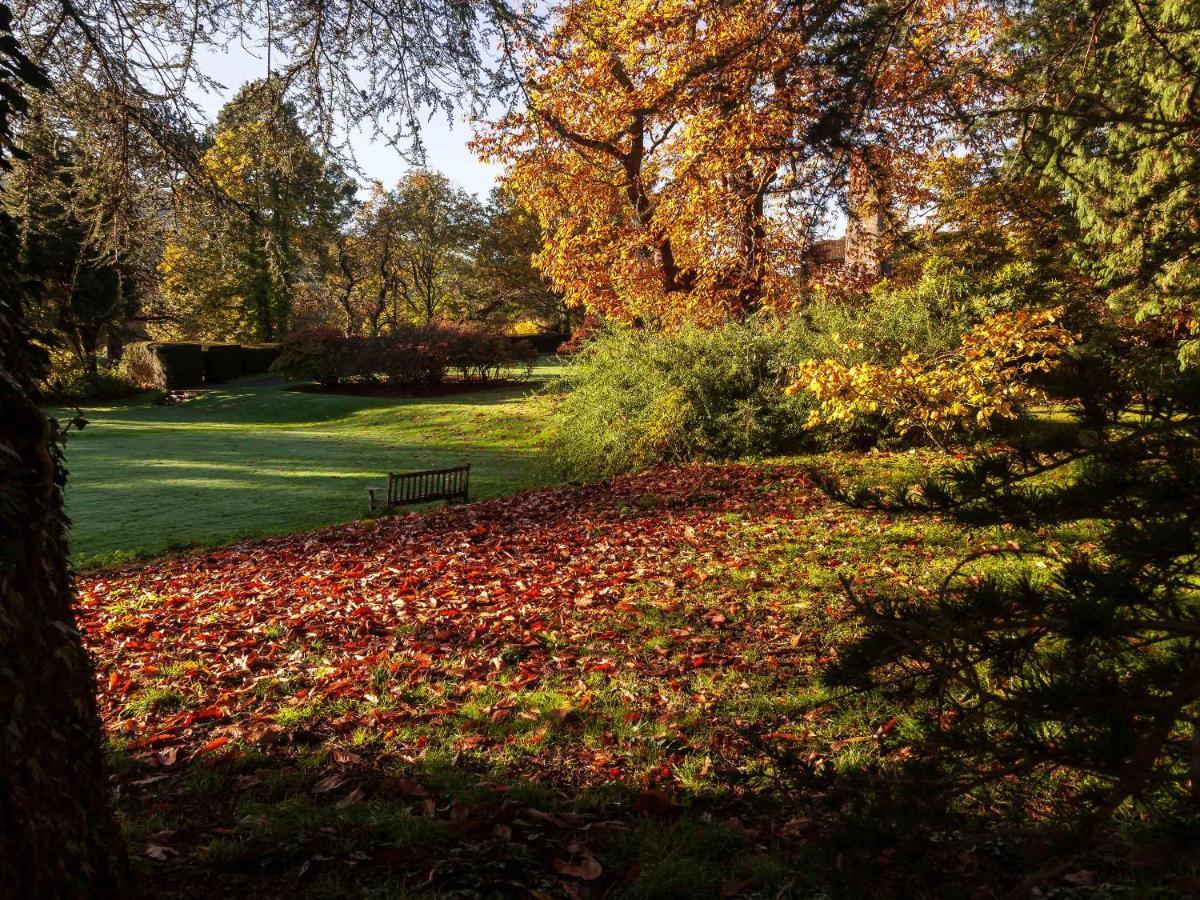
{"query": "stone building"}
(863, 247)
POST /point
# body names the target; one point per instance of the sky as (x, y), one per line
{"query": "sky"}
(445, 144)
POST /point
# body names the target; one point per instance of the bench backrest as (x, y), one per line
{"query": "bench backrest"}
(436, 484)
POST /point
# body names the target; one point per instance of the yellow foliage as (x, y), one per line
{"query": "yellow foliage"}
(237, 155)
(984, 379)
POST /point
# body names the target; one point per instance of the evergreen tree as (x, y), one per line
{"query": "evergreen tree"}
(86, 287)
(254, 232)
(1086, 684)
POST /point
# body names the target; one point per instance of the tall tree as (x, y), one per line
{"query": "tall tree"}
(418, 241)
(681, 162)
(258, 229)
(57, 834)
(86, 286)
(508, 287)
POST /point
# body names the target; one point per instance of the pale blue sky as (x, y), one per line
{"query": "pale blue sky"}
(445, 145)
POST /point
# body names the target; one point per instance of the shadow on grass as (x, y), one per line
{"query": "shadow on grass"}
(304, 821)
(258, 461)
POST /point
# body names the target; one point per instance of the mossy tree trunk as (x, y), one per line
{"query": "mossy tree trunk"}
(57, 835)
(58, 838)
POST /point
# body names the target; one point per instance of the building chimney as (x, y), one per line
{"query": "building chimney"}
(867, 220)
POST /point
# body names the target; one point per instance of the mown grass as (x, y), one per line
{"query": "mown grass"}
(253, 459)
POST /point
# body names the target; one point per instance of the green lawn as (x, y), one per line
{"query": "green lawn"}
(255, 459)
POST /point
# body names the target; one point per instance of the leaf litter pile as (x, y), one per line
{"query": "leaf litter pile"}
(449, 697)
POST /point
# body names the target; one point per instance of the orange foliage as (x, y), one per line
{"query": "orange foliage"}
(682, 154)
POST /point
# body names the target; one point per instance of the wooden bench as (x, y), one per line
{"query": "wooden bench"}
(408, 488)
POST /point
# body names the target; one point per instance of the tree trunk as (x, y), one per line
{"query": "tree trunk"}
(57, 834)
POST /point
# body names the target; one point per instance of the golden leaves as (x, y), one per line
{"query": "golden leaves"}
(663, 147)
(985, 379)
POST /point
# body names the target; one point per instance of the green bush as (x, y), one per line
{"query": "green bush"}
(222, 362)
(183, 363)
(633, 398)
(878, 328)
(69, 382)
(258, 358)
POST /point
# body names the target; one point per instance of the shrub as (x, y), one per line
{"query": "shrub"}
(182, 362)
(414, 356)
(319, 354)
(258, 358)
(222, 362)
(630, 399)
(954, 393)
(70, 382)
(142, 366)
(479, 354)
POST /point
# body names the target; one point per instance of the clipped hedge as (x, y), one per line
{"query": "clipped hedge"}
(258, 358)
(183, 364)
(171, 365)
(222, 362)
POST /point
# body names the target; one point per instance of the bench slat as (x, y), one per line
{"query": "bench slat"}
(452, 484)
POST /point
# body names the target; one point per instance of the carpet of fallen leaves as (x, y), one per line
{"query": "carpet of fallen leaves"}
(627, 634)
(343, 623)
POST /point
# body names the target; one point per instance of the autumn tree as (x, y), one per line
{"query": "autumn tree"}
(57, 834)
(681, 158)
(255, 231)
(415, 244)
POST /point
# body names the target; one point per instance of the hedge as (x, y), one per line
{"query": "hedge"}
(170, 365)
(257, 358)
(183, 364)
(222, 362)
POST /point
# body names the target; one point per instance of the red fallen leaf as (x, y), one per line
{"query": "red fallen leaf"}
(491, 576)
(586, 869)
(407, 786)
(214, 744)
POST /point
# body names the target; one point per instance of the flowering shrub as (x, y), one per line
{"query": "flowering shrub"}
(412, 355)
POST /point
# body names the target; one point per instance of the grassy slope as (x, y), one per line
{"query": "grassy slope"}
(251, 460)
